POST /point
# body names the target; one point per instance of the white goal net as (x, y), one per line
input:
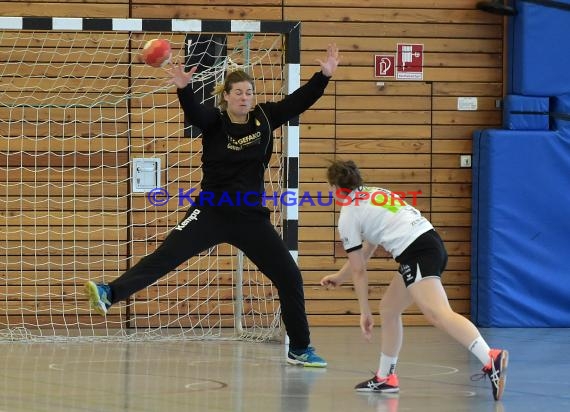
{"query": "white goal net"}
(84, 125)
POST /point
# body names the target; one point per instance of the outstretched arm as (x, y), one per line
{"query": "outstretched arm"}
(196, 113)
(178, 75)
(306, 95)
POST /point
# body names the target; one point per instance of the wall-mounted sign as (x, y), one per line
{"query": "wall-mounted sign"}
(384, 65)
(410, 61)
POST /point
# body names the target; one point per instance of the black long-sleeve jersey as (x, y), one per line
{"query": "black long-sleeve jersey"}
(235, 156)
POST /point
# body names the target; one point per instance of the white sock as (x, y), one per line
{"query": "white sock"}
(387, 365)
(480, 349)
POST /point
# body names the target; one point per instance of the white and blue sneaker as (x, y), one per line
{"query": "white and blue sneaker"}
(99, 297)
(306, 357)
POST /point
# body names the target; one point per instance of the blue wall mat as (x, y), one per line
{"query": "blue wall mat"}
(521, 229)
(560, 105)
(540, 50)
(517, 111)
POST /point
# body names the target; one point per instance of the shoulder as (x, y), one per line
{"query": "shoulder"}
(263, 107)
(347, 216)
(262, 111)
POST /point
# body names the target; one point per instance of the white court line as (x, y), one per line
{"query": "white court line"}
(450, 370)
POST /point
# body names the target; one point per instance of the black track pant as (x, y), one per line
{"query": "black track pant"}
(248, 229)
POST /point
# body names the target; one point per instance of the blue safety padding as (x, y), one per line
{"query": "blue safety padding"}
(540, 50)
(561, 113)
(521, 229)
(475, 224)
(525, 112)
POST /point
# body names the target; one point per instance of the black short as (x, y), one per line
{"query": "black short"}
(425, 257)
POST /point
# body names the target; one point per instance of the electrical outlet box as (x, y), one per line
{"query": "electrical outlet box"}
(465, 161)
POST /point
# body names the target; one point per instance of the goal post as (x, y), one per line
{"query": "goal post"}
(97, 165)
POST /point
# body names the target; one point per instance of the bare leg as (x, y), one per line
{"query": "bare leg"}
(395, 300)
(431, 298)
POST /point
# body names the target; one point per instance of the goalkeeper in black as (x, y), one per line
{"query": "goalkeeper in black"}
(237, 140)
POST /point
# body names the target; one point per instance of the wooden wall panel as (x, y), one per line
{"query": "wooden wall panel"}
(406, 136)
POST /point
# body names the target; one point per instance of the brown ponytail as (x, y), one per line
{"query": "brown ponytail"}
(344, 174)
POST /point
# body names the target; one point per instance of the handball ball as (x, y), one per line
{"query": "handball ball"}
(157, 52)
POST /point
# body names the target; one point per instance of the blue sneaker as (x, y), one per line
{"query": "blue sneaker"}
(99, 297)
(306, 357)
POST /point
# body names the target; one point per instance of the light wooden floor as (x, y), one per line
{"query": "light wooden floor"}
(434, 374)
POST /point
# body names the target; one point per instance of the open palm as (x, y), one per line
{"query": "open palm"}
(330, 63)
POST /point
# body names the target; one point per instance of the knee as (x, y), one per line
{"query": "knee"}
(389, 312)
(432, 317)
(437, 316)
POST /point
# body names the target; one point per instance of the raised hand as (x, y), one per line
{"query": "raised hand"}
(178, 76)
(330, 63)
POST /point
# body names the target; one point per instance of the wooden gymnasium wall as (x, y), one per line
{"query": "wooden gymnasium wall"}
(406, 136)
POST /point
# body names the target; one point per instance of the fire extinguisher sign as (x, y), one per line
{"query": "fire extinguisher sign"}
(384, 65)
(409, 61)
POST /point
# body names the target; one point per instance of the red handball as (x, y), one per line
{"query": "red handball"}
(157, 52)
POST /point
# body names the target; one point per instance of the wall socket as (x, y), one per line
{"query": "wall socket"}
(465, 160)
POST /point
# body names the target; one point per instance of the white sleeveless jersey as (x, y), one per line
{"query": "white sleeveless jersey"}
(381, 218)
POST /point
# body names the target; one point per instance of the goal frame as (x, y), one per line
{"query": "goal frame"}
(290, 31)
